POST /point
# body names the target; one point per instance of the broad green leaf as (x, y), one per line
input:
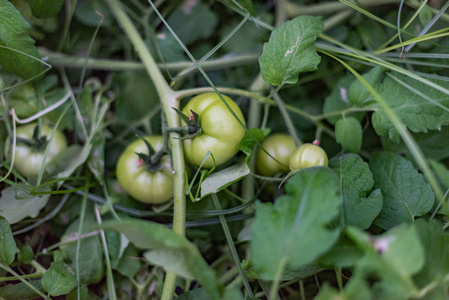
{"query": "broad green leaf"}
(356, 180)
(16, 205)
(219, 180)
(436, 245)
(26, 254)
(192, 21)
(250, 140)
(20, 290)
(433, 143)
(348, 132)
(441, 171)
(359, 95)
(7, 243)
(344, 254)
(90, 263)
(185, 257)
(405, 192)
(128, 264)
(338, 100)
(295, 230)
(14, 34)
(371, 33)
(425, 15)
(85, 12)
(355, 289)
(387, 263)
(59, 279)
(45, 8)
(291, 51)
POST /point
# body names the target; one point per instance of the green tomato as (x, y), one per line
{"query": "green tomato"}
(306, 156)
(147, 186)
(28, 159)
(280, 146)
(221, 132)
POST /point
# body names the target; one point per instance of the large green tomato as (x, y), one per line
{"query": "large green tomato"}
(221, 132)
(280, 146)
(149, 186)
(306, 156)
(28, 159)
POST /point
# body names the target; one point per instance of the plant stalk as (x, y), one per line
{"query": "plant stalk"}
(168, 101)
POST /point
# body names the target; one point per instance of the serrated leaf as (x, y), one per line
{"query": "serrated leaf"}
(16, 205)
(222, 179)
(291, 50)
(59, 279)
(406, 194)
(20, 290)
(45, 8)
(348, 132)
(356, 180)
(433, 143)
(158, 238)
(295, 230)
(359, 95)
(188, 22)
(14, 34)
(90, 259)
(7, 243)
(338, 100)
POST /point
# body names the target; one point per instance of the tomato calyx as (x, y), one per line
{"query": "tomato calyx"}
(38, 142)
(192, 128)
(152, 160)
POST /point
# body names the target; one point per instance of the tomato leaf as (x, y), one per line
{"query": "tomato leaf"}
(188, 21)
(7, 243)
(16, 205)
(250, 140)
(348, 133)
(85, 12)
(291, 50)
(441, 171)
(219, 180)
(14, 34)
(295, 230)
(45, 8)
(356, 180)
(20, 290)
(406, 193)
(169, 250)
(59, 279)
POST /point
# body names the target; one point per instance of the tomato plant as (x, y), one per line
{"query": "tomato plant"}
(306, 156)
(220, 131)
(148, 183)
(30, 152)
(280, 146)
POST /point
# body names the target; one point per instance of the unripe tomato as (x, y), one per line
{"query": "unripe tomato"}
(28, 159)
(221, 132)
(280, 146)
(306, 156)
(148, 186)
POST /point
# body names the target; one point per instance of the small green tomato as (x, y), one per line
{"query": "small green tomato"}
(306, 156)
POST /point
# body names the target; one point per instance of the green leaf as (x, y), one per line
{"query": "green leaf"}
(291, 50)
(45, 8)
(425, 15)
(387, 263)
(219, 180)
(338, 100)
(20, 290)
(441, 171)
(356, 288)
(188, 22)
(59, 279)
(16, 205)
(250, 140)
(85, 12)
(348, 133)
(406, 193)
(356, 180)
(371, 33)
(295, 230)
(14, 34)
(90, 263)
(168, 249)
(433, 143)
(359, 95)
(7, 243)
(128, 264)
(26, 254)
(246, 4)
